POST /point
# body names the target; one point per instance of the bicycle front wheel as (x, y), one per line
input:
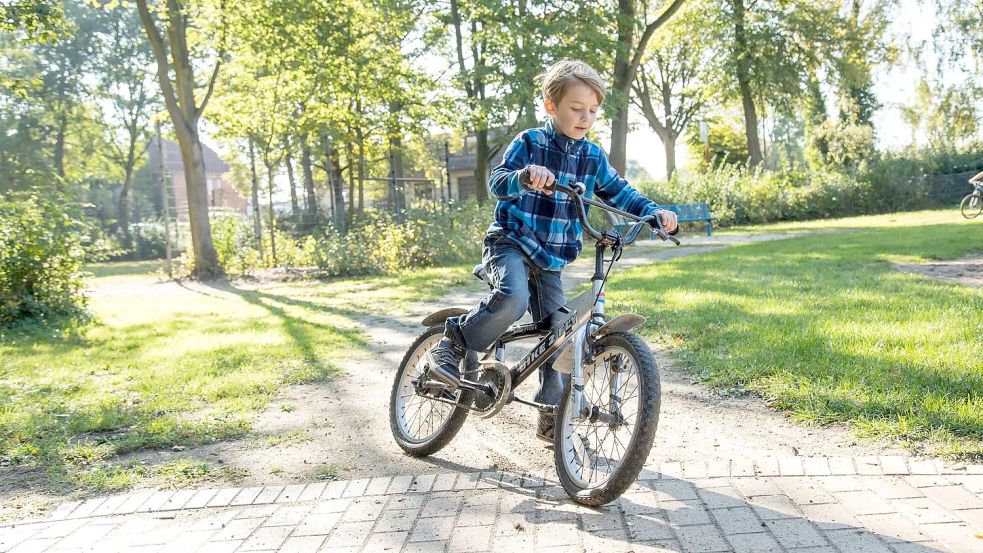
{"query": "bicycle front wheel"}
(971, 206)
(598, 455)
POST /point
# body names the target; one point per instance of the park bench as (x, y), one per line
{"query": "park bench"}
(687, 213)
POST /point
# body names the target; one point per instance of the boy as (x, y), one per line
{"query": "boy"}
(536, 232)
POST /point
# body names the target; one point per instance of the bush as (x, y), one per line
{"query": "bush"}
(884, 183)
(426, 237)
(377, 243)
(40, 264)
(149, 240)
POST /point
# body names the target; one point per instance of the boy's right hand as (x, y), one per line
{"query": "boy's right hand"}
(537, 177)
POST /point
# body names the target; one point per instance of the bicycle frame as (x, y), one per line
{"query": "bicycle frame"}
(571, 323)
(574, 321)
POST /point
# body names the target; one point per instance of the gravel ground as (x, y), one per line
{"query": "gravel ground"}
(346, 427)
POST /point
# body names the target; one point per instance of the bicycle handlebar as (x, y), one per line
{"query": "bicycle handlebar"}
(577, 191)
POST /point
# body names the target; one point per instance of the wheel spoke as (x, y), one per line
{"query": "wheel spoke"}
(420, 417)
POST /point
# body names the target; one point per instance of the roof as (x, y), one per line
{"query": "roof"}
(466, 162)
(173, 162)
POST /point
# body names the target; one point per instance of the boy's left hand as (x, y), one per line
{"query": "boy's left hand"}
(668, 219)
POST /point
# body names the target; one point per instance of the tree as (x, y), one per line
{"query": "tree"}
(499, 47)
(672, 84)
(49, 134)
(123, 67)
(627, 59)
(38, 20)
(770, 49)
(185, 111)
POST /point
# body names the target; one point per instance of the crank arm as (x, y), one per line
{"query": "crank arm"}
(477, 386)
(466, 384)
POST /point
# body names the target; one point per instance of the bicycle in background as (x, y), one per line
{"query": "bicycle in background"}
(972, 204)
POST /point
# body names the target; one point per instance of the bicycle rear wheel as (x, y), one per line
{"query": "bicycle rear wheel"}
(423, 424)
(971, 206)
(597, 460)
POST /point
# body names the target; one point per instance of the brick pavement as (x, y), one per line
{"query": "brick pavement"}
(802, 505)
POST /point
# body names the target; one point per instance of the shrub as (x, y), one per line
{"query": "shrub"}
(424, 237)
(40, 264)
(149, 240)
(884, 183)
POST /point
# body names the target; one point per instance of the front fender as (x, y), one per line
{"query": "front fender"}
(439, 317)
(621, 323)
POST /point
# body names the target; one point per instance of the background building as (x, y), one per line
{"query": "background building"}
(221, 194)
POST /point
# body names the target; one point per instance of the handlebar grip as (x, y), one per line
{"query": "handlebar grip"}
(526, 180)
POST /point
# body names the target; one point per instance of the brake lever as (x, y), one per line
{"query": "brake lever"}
(661, 231)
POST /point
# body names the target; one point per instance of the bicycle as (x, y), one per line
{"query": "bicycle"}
(606, 421)
(972, 204)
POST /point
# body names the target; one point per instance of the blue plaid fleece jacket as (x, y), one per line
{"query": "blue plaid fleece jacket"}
(546, 227)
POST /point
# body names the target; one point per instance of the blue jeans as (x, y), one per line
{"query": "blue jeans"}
(520, 285)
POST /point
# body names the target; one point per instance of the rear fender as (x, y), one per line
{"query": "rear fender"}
(438, 317)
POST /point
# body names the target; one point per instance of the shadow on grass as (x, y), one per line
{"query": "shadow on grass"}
(79, 404)
(826, 328)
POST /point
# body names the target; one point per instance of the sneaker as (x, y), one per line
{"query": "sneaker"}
(447, 357)
(544, 430)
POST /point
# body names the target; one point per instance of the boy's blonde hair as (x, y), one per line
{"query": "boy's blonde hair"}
(563, 73)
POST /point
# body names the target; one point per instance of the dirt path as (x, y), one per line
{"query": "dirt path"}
(343, 427)
(967, 271)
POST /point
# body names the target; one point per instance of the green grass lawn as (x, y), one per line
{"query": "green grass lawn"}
(824, 327)
(168, 364)
(913, 218)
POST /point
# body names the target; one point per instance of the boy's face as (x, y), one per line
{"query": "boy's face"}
(576, 111)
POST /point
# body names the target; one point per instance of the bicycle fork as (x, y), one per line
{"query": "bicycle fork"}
(581, 410)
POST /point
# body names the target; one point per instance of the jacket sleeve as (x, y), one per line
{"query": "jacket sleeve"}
(616, 191)
(503, 182)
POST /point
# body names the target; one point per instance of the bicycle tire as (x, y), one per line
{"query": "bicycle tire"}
(971, 206)
(646, 421)
(454, 416)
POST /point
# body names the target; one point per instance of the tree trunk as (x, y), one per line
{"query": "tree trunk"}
(332, 165)
(60, 145)
(744, 84)
(206, 259)
(179, 98)
(124, 206)
(310, 201)
(481, 165)
(473, 89)
(269, 177)
(338, 186)
(396, 156)
(349, 156)
(124, 194)
(361, 171)
(617, 156)
(257, 219)
(669, 144)
(294, 207)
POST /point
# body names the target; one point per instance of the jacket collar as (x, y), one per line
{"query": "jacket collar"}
(562, 141)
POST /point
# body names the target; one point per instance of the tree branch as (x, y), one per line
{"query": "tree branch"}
(163, 68)
(218, 63)
(643, 41)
